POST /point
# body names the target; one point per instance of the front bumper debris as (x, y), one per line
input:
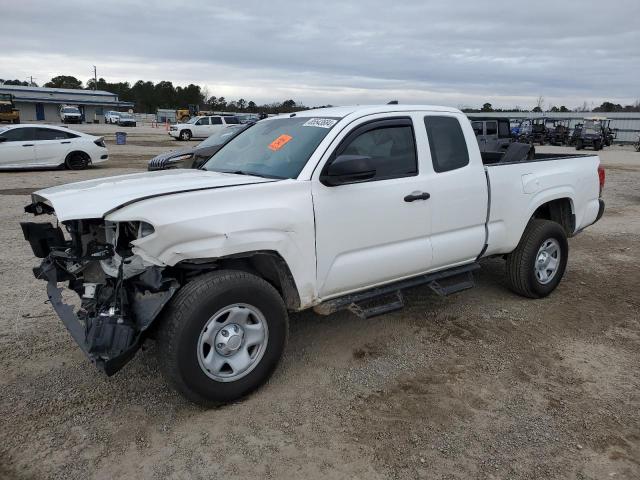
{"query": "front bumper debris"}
(116, 311)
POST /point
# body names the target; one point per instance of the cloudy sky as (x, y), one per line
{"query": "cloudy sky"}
(459, 53)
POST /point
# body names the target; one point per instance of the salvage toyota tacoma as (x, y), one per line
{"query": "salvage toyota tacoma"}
(339, 208)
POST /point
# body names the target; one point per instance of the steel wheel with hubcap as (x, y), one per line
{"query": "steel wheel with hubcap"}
(547, 260)
(232, 342)
(221, 336)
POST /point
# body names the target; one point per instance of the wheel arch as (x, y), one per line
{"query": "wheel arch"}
(266, 264)
(560, 210)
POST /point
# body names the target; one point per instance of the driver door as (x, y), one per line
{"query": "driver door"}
(201, 127)
(371, 232)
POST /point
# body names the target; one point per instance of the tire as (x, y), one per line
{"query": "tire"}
(596, 145)
(523, 273)
(579, 144)
(196, 308)
(185, 135)
(77, 161)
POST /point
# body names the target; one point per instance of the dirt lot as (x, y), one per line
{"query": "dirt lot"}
(483, 384)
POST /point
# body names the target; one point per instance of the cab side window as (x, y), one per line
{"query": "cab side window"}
(203, 121)
(447, 143)
(477, 128)
(492, 128)
(389, 143)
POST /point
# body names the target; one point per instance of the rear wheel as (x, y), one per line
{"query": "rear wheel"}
(221, 336)
(77, 161)
(185, 135)
(596, 145)
(536, 266)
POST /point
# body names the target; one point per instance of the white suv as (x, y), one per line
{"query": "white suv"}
(201, 127)
(111, 117)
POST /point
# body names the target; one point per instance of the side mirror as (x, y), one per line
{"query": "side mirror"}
(348, 169)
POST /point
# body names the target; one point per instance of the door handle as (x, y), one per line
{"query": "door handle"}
(65, 142)
(28, 145)
(413, 196)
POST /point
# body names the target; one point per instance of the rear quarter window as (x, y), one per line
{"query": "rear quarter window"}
(447, 143)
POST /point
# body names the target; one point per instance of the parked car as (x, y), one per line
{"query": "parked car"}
(31, 146)
(126, 120)
(195, 157)
(201, 126)
(493, 134)
(337, 208)
(70, 114)
(111, 117)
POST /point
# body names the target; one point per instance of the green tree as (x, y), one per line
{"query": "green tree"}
(252, 107)
(487, 107)
(64, 81)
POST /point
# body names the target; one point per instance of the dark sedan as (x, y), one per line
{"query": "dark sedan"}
(196, 157)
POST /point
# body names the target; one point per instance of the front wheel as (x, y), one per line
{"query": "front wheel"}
(222, 336)
(536, 266)
(185, 135)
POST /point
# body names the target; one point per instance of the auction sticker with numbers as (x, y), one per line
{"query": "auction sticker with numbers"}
(320, 122)
(280, 142)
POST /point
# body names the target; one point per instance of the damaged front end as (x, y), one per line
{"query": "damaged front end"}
(120, 292)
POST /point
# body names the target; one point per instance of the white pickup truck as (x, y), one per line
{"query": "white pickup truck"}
(339, 208)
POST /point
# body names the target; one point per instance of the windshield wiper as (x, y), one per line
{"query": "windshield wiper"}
(251, 174)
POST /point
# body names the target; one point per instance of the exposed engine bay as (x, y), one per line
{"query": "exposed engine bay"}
(120, 293)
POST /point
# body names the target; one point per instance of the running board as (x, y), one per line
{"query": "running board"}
(388, 298)
(378, 305)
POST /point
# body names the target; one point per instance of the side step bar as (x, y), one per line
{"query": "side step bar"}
(389, 298)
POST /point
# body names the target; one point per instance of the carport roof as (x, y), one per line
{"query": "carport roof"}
(63, 95)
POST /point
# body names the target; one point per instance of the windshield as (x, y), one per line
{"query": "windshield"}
(193, 120)
(125, 115)
(222, 136)
(70, 110)
(277, 148)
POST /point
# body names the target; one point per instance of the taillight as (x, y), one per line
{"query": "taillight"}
(601, 177)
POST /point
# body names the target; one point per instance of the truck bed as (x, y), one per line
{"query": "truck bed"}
(518, 188)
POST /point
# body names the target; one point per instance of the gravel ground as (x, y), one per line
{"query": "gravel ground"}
(483, 384)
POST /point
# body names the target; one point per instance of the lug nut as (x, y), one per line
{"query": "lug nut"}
(225, 333)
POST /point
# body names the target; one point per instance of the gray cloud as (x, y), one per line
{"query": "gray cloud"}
(454, 53)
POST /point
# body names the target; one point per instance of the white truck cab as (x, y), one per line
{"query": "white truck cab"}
(201, 126)
(338, 208)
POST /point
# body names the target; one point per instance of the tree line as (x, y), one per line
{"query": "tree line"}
(604, 107)
(148, 97)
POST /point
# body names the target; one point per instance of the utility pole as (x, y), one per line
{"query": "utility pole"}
(95, 78)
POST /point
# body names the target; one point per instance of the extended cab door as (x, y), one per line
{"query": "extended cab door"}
(459, 190)
(378, 230)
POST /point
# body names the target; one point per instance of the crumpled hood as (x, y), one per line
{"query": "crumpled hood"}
(96, 198)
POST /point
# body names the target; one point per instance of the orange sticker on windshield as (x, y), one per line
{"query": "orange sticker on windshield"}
(280, 142)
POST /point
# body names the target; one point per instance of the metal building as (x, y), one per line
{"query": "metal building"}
(43, 104)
